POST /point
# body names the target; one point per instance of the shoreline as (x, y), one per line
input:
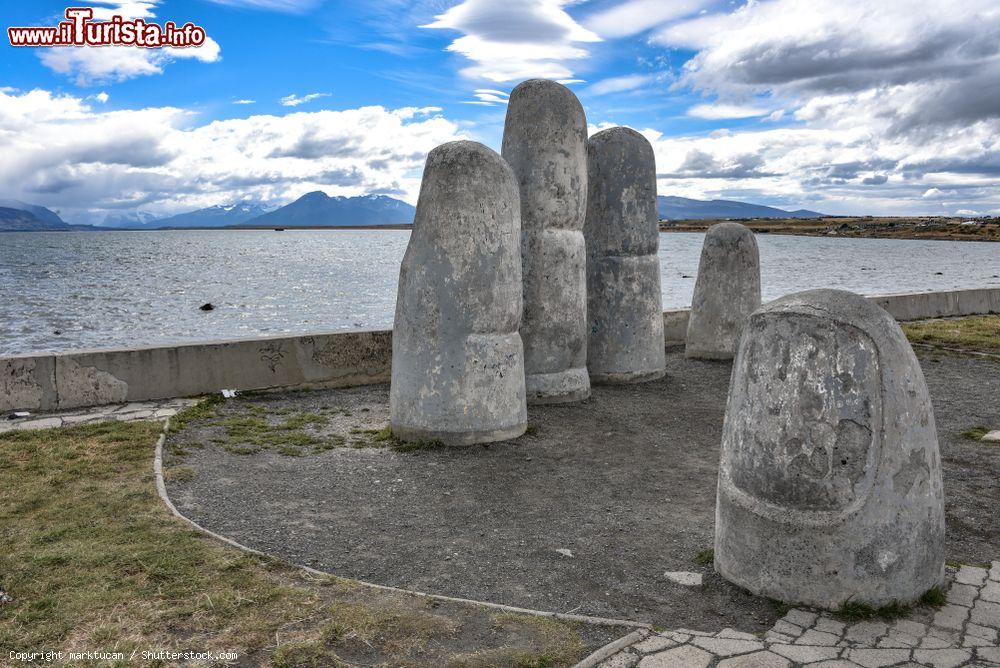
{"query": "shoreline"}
(846, 227)
(857, 227)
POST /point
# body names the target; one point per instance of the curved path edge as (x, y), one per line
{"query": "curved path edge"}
(642, 629)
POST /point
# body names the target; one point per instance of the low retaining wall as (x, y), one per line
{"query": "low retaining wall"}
(336, 359)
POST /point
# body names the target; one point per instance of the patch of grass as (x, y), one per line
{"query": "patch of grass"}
(852, 611)
(976, 433)
(373, 438)
(301, 420)
(179, 474)
(247, 435)
(558, 647)
(780, 608)
(92, 560)
(976, 333)
(959, 564)
(306, 655)
(206, 408)
(705, 557)
(933, 597)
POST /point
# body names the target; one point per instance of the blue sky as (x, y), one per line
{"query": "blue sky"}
(839, 107)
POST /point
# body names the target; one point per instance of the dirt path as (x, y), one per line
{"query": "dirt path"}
(624, 482)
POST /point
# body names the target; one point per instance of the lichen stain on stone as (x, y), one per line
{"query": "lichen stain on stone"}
(18, 384)
(87, 385)
(812, 444)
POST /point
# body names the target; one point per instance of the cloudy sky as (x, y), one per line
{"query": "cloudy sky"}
(850, 107)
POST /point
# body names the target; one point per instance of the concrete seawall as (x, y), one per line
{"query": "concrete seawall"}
(335, 359)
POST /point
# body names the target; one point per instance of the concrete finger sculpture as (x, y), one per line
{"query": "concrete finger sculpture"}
(624, 305)
(830, 476)
(726, 291)
(457, 358)
(544, 140)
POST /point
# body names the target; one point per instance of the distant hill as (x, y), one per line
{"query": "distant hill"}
(683, 208)
(318, 209)
(40, 213)
(19, 220)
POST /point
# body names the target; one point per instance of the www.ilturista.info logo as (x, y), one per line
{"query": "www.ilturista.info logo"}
(79, 30)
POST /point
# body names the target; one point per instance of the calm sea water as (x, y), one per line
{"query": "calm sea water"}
(118, 289)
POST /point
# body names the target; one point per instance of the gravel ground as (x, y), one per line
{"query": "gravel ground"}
(624, 482)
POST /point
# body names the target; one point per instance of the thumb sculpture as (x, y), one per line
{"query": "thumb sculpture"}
(726, 292)
(830, 476)
(624, 304)
(457, 358)
(544, 140)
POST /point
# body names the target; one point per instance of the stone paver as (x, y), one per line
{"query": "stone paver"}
(755, 660)
(942, 658)
(148, 410)
(963, 634)
(951, 617)
(877, 658)
(971, 575)
(686, 655)
(728, 646)
(986, 614)
(685, 578)
(991, 592)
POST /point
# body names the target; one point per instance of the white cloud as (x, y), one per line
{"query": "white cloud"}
(635, 16)
(245, 101)
(489, 97)
(59, 151)
(516, 39)
(891, 106)
(720, 111)
(102, 97)
(93, 65)
(294, 100)
(620, 84)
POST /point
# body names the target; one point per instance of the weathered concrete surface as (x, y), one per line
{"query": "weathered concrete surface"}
(334, 359)
(624, 303)
(830, 476)
(544, 141)
(457, 357)
(947, 304)
(93, 378)
(27, 383)
(726, 291)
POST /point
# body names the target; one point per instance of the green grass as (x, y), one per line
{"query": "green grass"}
(856, 612)
(852, 611)
(976, 333)
(933, 597)
(705, 557)
(976, 433)
(93, 561)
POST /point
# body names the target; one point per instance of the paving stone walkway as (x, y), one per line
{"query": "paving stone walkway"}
(146, 410)
(964, 632)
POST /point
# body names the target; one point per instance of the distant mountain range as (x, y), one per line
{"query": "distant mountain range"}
(682, 208)
(317, 209)
(213, 216)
